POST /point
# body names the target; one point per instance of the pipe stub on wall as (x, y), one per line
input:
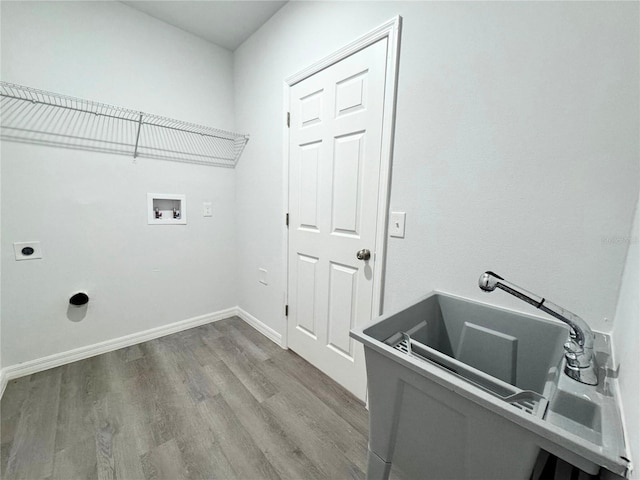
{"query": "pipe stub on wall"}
(79, 299)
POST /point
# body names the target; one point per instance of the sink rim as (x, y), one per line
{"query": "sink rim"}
(361, 329)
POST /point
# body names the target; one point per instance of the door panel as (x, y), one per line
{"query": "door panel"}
(309, 162)
(334, 170)
(342, 292)
(350, 94)
(311, 109)
(347, 179)
(306, 298)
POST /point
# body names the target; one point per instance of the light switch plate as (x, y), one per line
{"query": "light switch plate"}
(396, 224)
(207, 209)
(19, 247)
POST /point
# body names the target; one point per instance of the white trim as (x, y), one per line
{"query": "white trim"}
(62, 358)
(390, 30)
(261, 327)
(285, 203)
(3, 382)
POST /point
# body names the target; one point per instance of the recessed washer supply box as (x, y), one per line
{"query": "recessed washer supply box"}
(166, 209)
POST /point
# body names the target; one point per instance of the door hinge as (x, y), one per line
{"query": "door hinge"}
(286, 220)
(286, 310)
(288, 119)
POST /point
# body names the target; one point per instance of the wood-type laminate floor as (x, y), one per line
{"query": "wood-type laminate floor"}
(217, 401)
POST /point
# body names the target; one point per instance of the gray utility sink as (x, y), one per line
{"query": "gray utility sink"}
(462, 389)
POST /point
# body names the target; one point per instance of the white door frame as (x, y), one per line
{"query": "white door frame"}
(391, 31)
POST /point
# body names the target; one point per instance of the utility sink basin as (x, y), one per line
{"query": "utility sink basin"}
(463, 389)
(485, 346)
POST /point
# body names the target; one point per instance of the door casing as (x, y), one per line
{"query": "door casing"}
(390, 30)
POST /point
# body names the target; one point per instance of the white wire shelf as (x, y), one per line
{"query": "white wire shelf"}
(28, 115)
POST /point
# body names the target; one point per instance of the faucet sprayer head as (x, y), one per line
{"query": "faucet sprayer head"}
(488, 281)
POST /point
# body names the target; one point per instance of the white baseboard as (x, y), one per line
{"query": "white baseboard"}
(62, 358)
(40, 364)
(263, 328)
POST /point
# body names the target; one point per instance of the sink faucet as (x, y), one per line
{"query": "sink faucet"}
(580, 363)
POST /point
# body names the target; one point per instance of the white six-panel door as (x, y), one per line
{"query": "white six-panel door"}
(334, 172)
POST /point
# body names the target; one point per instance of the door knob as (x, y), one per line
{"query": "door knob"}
(363, 254)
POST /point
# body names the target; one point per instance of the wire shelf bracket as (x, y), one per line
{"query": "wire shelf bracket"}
(29, 115)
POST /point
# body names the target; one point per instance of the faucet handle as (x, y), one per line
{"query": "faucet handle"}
(572, 357)
(572, 347)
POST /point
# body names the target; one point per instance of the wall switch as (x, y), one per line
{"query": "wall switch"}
(262, 276)
(396, 224)
(27, 250)
(207, 209)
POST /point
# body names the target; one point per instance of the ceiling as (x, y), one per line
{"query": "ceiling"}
(225, 23)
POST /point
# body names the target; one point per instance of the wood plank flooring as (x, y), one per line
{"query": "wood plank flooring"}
(217, 401)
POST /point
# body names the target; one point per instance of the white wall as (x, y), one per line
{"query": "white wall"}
(89, 209)
(1, 375)
(516, 146)
(626, 341)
